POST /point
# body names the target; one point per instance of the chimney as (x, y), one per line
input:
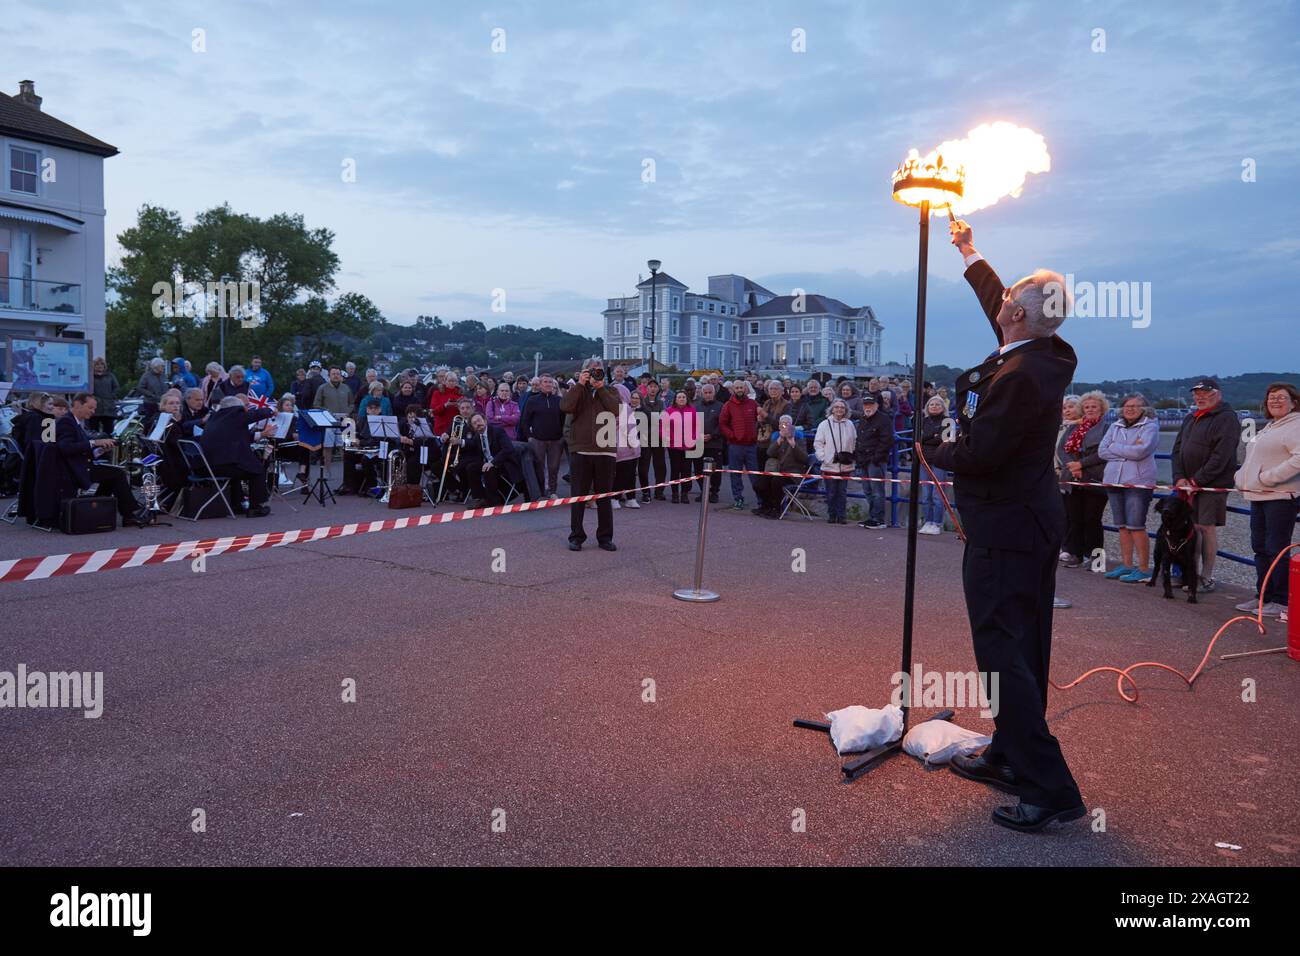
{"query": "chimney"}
(27, 94)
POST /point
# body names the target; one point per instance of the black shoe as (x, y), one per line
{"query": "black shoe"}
(982, 771)
(758, 511)
(575, 545)
(344, 491)
(608, 546)
(1072, 562)
(261, 511)
(659, 496)
(645, 497)
(1028, 818)
(772, 514)
(832, 520)
(713, 497)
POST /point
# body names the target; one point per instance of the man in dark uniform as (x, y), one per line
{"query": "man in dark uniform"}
(227, 444)
(1009, 411)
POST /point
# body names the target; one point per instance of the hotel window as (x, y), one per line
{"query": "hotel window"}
(704, 328)
(752, 353)
(806, 355)
(753, 328)
(780, 326)
(735, 332)
(631, 330)
(837, 325)
(704, 358)
(853, 329)
(676, 303)
(618, 327)
(734, 357)
(23, 164)
(710, 306)
(674, 327)
(808, 325)
(778, 353)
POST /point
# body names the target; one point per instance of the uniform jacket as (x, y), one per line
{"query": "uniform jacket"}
(1009, 410)
(226, 438)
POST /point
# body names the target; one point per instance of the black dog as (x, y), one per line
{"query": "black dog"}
(1177, 542)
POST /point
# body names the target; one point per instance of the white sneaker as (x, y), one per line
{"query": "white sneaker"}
(632, 503)
(929, 528)
(1272, 609)
(1248, 605)
(617, 506)
(1064, 556)
(1060, 602)
(553, 496)
(1282, 617)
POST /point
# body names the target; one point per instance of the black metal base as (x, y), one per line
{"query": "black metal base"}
(858, 764)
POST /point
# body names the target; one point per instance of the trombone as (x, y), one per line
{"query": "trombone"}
(457, 431)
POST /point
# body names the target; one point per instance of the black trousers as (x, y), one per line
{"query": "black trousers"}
(1009, 602)
(625, 477)
(719, 456)
(768, 488)
(113, 481)
(255, 480)
(655, 455)
(591, 475)
(1083, 510)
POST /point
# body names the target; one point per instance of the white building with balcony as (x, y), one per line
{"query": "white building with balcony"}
(51, 224)
(737, 325)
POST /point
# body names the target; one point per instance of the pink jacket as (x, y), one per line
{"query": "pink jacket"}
(680, 427)
(505, 414)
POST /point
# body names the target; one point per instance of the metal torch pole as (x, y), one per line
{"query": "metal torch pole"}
(698, 594)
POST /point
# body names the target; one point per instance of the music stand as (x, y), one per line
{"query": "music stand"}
(320, 488)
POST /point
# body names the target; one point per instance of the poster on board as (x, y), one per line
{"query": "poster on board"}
(48, 365)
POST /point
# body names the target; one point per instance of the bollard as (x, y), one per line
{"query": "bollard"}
(1293, 612)
(697, 594)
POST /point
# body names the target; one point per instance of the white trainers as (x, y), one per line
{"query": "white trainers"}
(632, 503)
(617, 506)
(1272, 609)
(553, 496)
(929, 528)
(1064, 556)
(1248, 605)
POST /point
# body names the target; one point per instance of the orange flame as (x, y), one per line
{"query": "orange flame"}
(997, 158)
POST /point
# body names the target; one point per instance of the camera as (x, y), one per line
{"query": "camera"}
(598, 374)
(843, 458)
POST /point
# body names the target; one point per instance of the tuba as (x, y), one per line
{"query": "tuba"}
(396, 461)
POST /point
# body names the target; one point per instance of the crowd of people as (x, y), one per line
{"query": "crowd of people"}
(469, 438)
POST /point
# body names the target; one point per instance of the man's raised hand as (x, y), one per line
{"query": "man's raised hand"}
(960, 232)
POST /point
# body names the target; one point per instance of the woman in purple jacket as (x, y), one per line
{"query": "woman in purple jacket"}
(1129, 450)
(503, 410)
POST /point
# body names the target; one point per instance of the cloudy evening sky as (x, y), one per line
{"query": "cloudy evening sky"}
(522, 169)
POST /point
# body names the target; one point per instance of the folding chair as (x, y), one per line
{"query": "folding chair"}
(792, 492)
(11, 448)
(201, 473)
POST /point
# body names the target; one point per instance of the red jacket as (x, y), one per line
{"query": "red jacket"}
(443, 406)
(739, 421)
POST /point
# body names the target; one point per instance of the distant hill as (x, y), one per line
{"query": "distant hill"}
(471, 342)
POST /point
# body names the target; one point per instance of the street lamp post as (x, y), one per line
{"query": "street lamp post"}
(654, 265)
(221, 318)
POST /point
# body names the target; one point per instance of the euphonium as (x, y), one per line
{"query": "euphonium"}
(396, 460)
(457, 430)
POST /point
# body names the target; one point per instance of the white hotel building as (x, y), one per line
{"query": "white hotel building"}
(738, 324)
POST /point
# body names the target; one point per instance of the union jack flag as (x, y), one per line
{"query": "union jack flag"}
(259, 401)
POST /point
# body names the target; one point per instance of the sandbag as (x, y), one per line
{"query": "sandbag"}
(857, 728)
(936, 741)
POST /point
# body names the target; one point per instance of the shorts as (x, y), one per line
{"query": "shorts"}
(1128, 507)
(1210, 508)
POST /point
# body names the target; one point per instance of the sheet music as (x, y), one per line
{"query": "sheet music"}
(283, 422)
(320, 417)
(420, 429)
(160, 427)
(424, 454)
(123, 425)
(383, 449)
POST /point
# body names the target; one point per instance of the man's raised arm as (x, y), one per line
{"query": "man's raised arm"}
(988, 287)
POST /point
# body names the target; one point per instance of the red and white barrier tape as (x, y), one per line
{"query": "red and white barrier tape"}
(111, 559)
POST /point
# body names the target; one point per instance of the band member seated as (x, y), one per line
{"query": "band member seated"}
(456, 489)
(292, 448)
(73, 467)
(362, 472)
(173, 469)
(487, 454)
(225, 443)
(412, 443)
(30, 422)
(194, 412)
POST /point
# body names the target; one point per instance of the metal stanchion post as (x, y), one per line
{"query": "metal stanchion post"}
(698, 594)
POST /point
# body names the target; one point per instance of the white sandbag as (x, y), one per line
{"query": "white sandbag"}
(857, 728)
(936, 741)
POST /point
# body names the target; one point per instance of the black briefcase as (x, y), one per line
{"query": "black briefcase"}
(205, 498)
(88, 515)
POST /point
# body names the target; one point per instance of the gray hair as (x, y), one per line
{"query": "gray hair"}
(1147, 410)
(592, 362)
(1045, 299)
(236, 368)
(214, 367)
(709, 386)
(230, 401)
(157, 364)
(193, 391)
(784, 419)
(1095, 396)
(838, 401)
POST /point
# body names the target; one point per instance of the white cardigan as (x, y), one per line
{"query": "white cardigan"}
(1271, 471)
(825, 446)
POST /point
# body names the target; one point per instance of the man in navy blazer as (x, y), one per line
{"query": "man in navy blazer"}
(76, 469)
(227, 444)
(1010, 504)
